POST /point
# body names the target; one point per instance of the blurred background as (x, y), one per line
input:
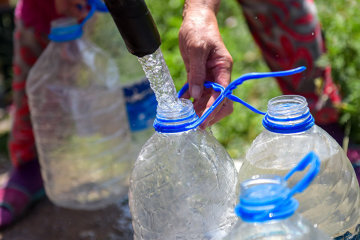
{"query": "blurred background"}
(341, 25)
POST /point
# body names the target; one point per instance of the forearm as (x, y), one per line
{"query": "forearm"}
(196, 5)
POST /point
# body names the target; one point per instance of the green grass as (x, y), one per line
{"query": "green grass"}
(340, 20)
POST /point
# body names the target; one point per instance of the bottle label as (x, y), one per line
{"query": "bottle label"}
(140, 105)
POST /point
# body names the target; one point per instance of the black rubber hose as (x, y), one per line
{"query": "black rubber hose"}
(136, 25)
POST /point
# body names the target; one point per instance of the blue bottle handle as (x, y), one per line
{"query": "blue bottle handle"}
(99, 5)
(228, 91)
(310, 159)
(95, 5)
(68, 33)
(281, 206)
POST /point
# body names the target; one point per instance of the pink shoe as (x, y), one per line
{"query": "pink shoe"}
(23, 188)
(14, 202)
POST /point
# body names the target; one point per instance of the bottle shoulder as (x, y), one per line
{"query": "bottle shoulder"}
(196, 141)
(77, 64)
(285, 147)
(186, 153)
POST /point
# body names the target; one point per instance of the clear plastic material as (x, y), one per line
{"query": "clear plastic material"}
(294, 228)
(182, 186)
(80, 124)
(331, 201)
(267, 208)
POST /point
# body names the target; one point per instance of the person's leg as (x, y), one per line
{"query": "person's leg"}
(289, 35)
(24, 184)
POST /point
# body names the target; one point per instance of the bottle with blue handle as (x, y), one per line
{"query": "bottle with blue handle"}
(332, 200)
(183, 184)
(79, 119)
(290, 133)
(267, 209)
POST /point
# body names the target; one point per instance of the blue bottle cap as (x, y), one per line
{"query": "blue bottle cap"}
(265, 198)
(224, 93)
(178, 121)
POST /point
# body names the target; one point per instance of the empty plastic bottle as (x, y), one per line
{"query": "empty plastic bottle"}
(183, 182)
(332, 201)
(267, 208)
(79, 119)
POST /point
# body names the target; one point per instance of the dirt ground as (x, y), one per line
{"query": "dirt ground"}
(46, 221)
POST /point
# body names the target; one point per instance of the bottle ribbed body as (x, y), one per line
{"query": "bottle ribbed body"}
(80, 125)
(182, 187)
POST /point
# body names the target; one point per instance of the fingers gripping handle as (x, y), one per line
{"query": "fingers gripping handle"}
(228, 91)
(215, 86)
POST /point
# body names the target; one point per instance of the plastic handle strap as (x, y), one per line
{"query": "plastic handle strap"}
(286, 205)
(95, 5)
(68, 33)
(310, 159)
(228, 91)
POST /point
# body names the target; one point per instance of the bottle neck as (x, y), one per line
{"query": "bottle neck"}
(65, 29)
(288, 114)
(176, 118)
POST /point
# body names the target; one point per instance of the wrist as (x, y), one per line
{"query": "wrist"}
(200, 14)
(209, 7)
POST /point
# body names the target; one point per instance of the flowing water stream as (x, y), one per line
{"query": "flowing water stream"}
(160, 80)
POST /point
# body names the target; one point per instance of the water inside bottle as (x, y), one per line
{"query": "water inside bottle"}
(331, 201)
(322, 196)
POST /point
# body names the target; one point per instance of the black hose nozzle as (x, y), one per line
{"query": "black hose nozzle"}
(136, 25)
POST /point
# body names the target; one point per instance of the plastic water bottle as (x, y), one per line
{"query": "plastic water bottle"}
(79, 119)
(267, 208)
(332, 201)
(141, 111)
(183, 182)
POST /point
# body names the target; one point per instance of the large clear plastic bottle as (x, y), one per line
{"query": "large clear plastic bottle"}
(183, 183)
(79, 119)
(267, 212)
(332, 201)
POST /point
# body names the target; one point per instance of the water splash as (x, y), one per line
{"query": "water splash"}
(161, 82)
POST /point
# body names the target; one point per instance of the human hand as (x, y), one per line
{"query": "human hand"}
(206, 59)
(72, 8)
